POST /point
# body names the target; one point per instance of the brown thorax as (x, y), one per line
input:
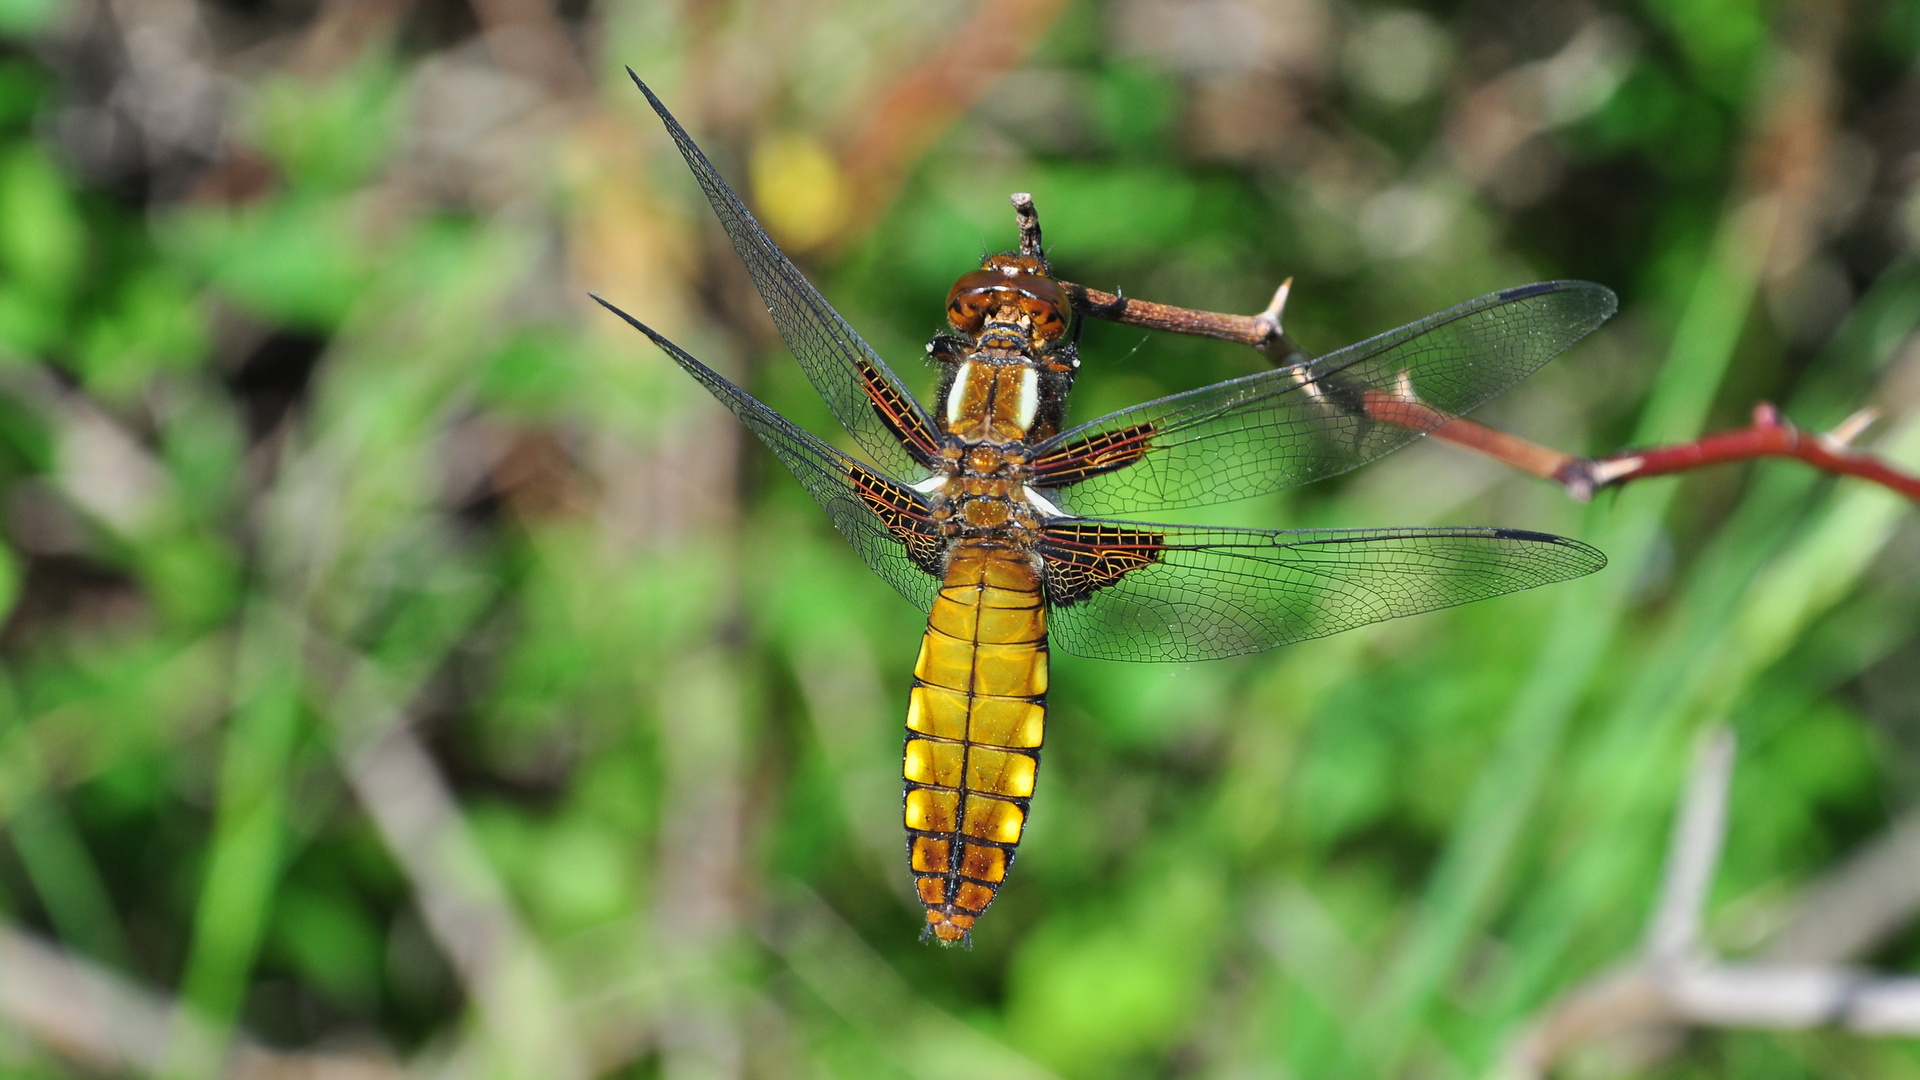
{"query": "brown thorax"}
(985, 492)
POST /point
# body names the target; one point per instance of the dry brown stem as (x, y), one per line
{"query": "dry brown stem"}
(1859, 905)
(98, 1019)
(1676, 982)
(466, 906)
(899, 121)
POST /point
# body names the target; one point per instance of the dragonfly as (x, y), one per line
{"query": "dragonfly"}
(991, 515)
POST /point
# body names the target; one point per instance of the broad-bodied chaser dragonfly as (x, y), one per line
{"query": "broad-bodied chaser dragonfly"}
(994, 520)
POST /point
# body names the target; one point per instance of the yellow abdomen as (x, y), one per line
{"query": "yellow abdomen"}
(974, 722)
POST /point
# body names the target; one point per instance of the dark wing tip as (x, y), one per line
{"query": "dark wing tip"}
(1605, 302)
(1508, 534)
(652, 98)
(1520, 292)
(609, 305)
(631, 321)
(1582, 559)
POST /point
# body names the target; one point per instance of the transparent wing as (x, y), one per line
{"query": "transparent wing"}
(858, 386)
(885, 520)
(1286, 427)
(1125, 590)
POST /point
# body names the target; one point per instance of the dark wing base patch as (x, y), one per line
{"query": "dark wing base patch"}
(901, 417)
(1082, 558)
(905, 516)
(1101, 452)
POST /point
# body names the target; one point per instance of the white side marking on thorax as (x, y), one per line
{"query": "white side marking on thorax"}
(1029, 398)
(931, 484)
(959, 392)
(1039, 502)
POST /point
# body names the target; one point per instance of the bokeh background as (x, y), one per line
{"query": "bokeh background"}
(407, 670)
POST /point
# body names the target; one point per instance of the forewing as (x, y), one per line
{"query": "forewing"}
(858, 386)
(884, 519)
(1286, 427)
(1125, 590)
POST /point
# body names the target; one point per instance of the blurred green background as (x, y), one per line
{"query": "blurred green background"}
(408, 670)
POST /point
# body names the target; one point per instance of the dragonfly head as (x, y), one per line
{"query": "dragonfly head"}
(1011, 289)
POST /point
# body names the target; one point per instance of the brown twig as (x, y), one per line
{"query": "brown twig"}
(1770, 435)
(1252, 330)
(1028, 219)
(1262, 331)
(1529, 457)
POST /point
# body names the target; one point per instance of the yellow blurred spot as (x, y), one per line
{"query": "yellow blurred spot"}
(798, 189)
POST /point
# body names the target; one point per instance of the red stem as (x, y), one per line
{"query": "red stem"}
(1771, 435)
(1529, 457)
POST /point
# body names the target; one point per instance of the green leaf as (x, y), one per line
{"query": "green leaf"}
(154, 325)
(30, 16)
(331, 137)
(41, 237)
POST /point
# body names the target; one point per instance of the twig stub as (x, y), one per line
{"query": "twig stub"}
(1028, 218)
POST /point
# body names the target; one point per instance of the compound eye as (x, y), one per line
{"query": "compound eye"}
(1048, 324)
(1045, 302)
(972, 297)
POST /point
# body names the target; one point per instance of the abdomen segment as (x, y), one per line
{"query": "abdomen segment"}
(974, 724)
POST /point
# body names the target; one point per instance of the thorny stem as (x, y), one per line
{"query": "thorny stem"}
(1260, 331)
(1770, 434)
